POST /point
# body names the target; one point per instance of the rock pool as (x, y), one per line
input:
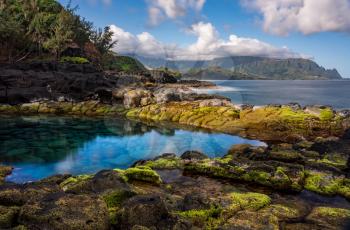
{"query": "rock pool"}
(38, 147)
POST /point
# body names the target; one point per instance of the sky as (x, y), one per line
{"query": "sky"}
(206, 29)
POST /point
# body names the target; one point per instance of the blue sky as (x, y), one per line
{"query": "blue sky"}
(294, 28)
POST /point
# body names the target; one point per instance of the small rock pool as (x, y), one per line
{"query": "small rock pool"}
(41, 146)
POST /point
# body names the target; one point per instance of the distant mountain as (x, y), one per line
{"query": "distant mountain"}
(246, 67)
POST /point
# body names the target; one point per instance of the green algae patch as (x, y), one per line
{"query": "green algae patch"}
(165, 163)
(334, 159)
(257, 176)
(333, 212)
(115, 198)
(327, 184)
(142, 173)
(214, 169)
(205, 218)
(283, 212)
(329, 217)
(249, 201)
(326, 114)
(75, 182)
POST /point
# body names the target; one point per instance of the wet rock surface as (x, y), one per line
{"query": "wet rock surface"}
(249, 188)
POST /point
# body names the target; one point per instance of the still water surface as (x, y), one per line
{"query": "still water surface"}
(333, 93)
(42, 146)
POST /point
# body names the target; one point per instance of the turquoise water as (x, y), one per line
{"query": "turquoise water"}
(333, 93)
(39, 147)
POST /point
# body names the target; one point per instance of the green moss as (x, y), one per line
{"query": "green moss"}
(283, 212)
(291, 115)
(75, 60)
(280, 178)
(259, 177)
(326, 114)
(115, 198)
(285, 155)
(210, 168)
(331, 212)
(322, 183)
(143, 173)
(249, 200)
(74, 182)
(335, 159)
(205, 218)
(165, 163)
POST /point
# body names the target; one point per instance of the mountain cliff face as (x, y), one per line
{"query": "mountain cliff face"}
(240, 67)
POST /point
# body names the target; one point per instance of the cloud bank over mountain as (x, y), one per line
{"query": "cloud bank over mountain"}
(281, 17)
(208, 45)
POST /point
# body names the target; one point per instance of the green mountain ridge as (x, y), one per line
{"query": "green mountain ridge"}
(246, 67)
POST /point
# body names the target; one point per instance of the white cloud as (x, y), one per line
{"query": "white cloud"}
(307, 16)
(159, 10)
(209, 45)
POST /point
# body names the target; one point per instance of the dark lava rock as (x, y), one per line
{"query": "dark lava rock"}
(64, 212)
(27, 82)
(56, 179)
(107, 180)
(165, 156)
(196, 201)
(103, 181)
(145, 210)
(18, 194)
(193, 155)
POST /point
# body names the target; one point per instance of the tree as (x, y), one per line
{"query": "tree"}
(62, 33)
(12, 32)
(103, 40)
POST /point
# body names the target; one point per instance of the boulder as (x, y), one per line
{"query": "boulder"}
(137, 97)
(144, 210)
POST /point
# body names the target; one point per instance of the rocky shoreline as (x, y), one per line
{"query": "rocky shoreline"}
(249, 188)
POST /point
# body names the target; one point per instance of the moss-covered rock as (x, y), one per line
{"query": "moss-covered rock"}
(165, 163)
(252, 220)
(330, 218)
(203, 218)
(327, 183)
(76, 184)
(249, 201)
(141, 173)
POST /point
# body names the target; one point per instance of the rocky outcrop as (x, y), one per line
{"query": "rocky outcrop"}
(283, 123)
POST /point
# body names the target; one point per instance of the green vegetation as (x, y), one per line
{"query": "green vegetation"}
(206, 218)
(141, 173)
(165, 163)
(327, 184)
(115, 198)
(75, 60)
(122, 63)
(249, 200)
(75, 182)
(40, 29)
